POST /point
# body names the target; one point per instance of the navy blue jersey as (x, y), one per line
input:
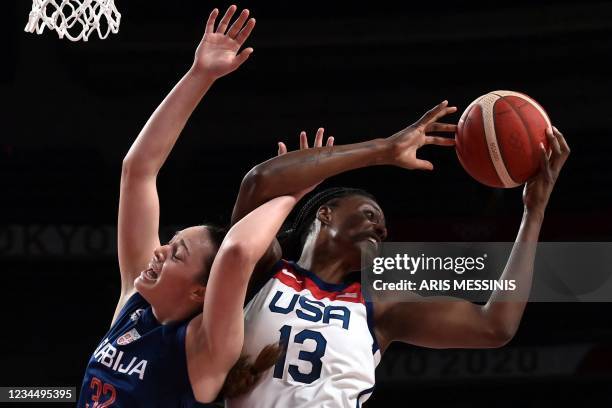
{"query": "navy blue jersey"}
(139, 363)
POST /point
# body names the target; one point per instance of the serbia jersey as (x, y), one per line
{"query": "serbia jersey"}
(139, 363)
(327, 332)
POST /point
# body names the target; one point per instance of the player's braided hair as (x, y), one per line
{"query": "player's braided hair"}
(292, 239)
(244, 374)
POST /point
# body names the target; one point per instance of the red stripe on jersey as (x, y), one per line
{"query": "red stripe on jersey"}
(292, 278)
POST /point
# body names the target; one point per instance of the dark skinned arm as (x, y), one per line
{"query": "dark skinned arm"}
(297, 170)
(454, 323)
(300, 169)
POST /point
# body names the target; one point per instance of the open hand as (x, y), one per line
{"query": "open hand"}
(406, 142)
(217, 54)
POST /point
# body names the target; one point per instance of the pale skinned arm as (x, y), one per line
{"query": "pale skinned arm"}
(138, 220)
(454, 323)
(214, 339)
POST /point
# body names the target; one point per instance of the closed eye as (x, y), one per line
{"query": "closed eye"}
(175, 256)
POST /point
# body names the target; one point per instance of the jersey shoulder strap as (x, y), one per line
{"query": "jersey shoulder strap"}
(132, 309)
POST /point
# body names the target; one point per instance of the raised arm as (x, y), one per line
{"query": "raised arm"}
(296, 170)
(138, 221)
(462, 324)
(293, 171)
(214, 340)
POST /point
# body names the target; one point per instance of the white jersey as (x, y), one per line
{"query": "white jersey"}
(331, 348)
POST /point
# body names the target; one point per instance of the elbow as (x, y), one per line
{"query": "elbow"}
(499, 335)
(255, 181)
(131, 168)
(236, 253)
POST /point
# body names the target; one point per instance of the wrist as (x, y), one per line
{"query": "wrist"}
(387, 151)
(534, 213)
(200, 77)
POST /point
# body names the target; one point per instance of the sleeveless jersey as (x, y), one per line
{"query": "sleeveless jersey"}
(139, 363)
(327, 332)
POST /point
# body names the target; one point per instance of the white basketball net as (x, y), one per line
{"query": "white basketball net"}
(75, 19)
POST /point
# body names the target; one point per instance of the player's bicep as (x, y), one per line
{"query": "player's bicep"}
(137, 225)
(263, 269)
(439, 323)
(214, 339)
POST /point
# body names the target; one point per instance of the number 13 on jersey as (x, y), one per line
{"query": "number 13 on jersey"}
(305, 337)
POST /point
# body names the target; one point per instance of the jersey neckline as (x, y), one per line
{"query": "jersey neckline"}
(326, 286)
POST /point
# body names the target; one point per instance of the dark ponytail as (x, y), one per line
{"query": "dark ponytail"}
(244, 375)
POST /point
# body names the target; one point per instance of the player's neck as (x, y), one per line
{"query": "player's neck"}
(321, 263)
(169, 315)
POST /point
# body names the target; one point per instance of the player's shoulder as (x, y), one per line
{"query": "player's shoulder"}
(129, 304)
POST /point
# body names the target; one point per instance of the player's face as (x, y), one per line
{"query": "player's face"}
(357, 226)
(176, 269)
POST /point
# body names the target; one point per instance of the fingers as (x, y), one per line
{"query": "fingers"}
(553, 142)
(243, 56)
(561, 151)
(237, 25)
(545, 164)
(282, 148)
(246, 31)
(423, 165)
(226, 19)
(318, 142)
(436, 113)
(303, 140)
(439, 141)
(441, 127)
(564, 146)
(319, 138)
(210, 24)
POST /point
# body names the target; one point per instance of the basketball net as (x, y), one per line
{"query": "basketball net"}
(75, 19)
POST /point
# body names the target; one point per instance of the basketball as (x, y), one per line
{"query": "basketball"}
(498, 138)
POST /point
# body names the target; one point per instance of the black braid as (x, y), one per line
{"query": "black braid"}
(293, 239)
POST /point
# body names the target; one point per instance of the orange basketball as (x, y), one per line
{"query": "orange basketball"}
(499, 136)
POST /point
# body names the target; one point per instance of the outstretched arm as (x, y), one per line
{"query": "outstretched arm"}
(457, 323)
(293, 171)
(306, 167)
(214, 340)
(138, 221)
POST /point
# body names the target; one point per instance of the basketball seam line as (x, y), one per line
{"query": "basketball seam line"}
(526, 129)
(484, 133)
(498, 171)
(467, 115)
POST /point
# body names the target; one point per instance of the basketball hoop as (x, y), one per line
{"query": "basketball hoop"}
(75, 19)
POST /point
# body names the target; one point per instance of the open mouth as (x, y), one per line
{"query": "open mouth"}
(150, 275)
(372, 241)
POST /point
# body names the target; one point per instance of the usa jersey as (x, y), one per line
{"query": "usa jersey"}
(326, 329)
(139, 363)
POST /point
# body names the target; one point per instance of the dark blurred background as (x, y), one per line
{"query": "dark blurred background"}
(71, 110)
